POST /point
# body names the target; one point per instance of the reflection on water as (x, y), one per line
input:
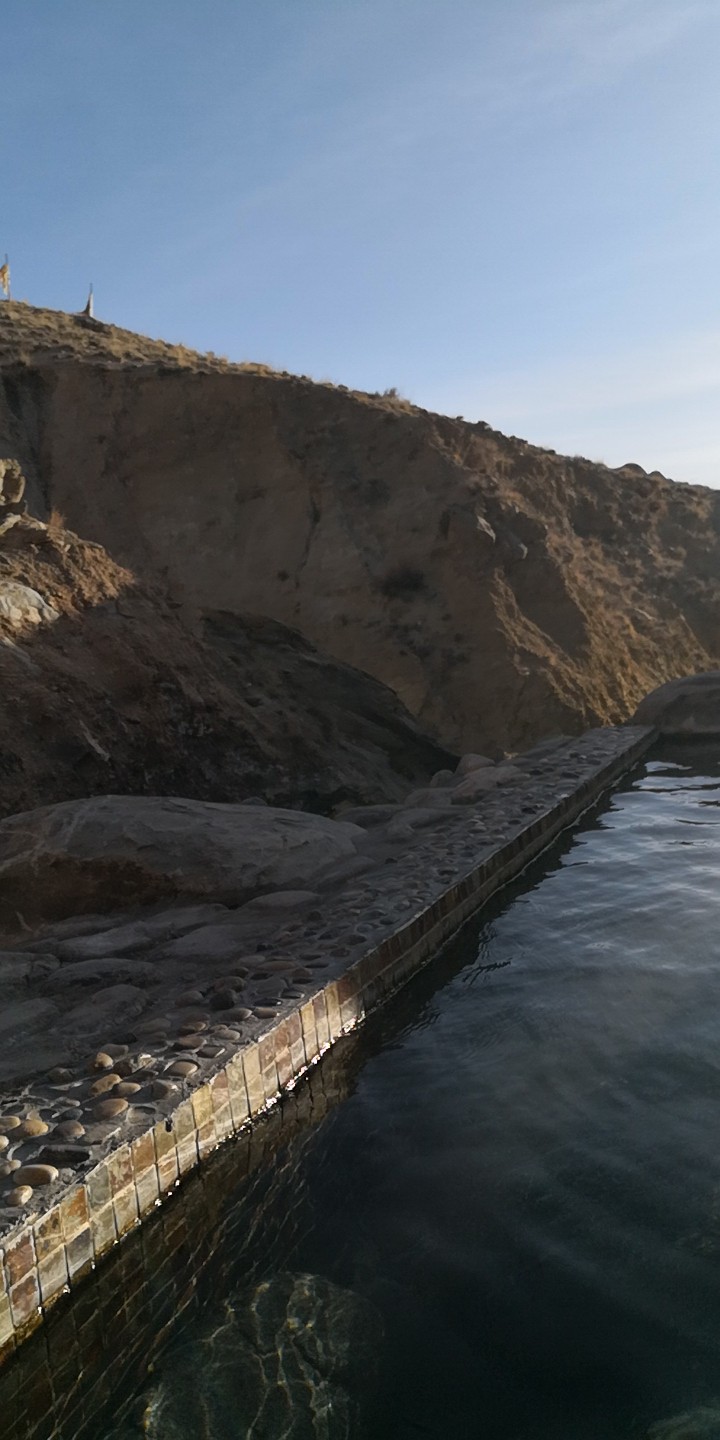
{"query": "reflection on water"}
(509, 1227)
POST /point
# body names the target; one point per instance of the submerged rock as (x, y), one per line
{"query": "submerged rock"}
(293, 1357)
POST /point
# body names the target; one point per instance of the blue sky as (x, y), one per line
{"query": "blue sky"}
(509, 209)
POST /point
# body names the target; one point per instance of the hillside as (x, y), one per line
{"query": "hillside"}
(102, 689)
(503, 591)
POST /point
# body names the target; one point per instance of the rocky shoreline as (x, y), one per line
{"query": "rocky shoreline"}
(194, 1017)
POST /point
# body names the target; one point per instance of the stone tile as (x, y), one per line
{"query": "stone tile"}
(202, 1105)
(7, 1328)
(268, 1068)
(120, 1169)
(351, 1009)
(184, 1120)
(74, 1212)
(97, 1184)
(333, 1010)
(187, 1153)
(206, 1140)
(309, 1033)
(80, 1252)
(321, 1021)
(147, 1186)
(19, 1257)
(52, 1275)
(253, 1078)
(125, 1206)
(237, 1089)
(167, 1167)
(25, 1301)
(103, 1230)
(283, 1063)
(222, 1112)
(48, 1233)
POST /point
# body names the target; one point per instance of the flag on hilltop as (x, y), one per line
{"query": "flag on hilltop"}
(5, 279)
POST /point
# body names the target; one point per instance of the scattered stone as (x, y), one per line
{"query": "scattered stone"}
(109, 1109)
(9, 1122)
(127, 1087)
(265, 1012)
(106, 1082)
(182, 1068)
(209, 1052)
(64, 1156)
(4, 1142)
(161, 1089)
(7, 1167)
(36, 1175)
(222, 999)
(189, 1042)
(239, 1012)
(102, 1061)
(191, 997)
(33, 1126)
(69, 1130)
(60, 1076)
(19, 1197)
(116, 1052)
(469, 763)
(193, 1025)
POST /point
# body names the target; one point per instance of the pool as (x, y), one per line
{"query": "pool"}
(494, 1212)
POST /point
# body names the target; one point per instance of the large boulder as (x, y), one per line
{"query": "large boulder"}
(687, 706)
(115, 850)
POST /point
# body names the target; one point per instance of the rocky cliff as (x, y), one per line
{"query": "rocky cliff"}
(501, 590)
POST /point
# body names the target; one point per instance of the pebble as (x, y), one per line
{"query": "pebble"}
(19, 1197)
(60, 1076)
(7, 1167)
(36, 1175)
(101, 1061)
(4, 1142)
(34, 1126)
(300, 975)
(278, 967)
(209, 1052)
(191, 997)
(125, 1067)
(69, 1130)
(193, 1025)
(222, 999)
(226, 1032)
(116, 1052)
(182, 1067)
(108, 1109)
(161, 1089)
(265, 1012)
(127, 1087)
(106, 1082)
(239, 1012)
(9, 1122)
(189, 1042)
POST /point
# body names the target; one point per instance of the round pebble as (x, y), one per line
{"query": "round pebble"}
(7, 1167)
(240, 1012)
(127, 1087)
(36, 1175)
(189, 1042)
(109, 1109)
(226, 1032)
(192, 1024)
(4, 1142)
(101, 1061)
(60, 1076)
(182, 1067)
(222, 999)
(19, 1197)
(278, 967)
(33, 1126)
(116, 1052)
(9, 1122)
(209, 1052)
(69, 1130)
(300, 975)
(191, 997)
(124, 1067)
(265, 1012)
(161, 1089)
(106, 1082)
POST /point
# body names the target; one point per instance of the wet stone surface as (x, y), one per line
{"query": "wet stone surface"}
(116, 1055)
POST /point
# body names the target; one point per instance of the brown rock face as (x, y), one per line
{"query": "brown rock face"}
(502, 591)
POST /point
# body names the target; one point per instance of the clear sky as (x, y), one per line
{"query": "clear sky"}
(508, 209)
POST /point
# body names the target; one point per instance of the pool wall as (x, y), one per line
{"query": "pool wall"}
(48, 1252)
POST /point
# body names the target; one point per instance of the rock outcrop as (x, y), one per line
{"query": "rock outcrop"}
(110, 850)
(503, 591)
(688, 706)
(104, 689)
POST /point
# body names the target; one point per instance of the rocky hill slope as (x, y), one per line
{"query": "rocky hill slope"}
(103, 689)
(501, 590)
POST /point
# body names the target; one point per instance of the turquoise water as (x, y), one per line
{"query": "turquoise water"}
(508, 1227)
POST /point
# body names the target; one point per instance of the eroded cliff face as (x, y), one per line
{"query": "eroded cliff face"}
(504, 592)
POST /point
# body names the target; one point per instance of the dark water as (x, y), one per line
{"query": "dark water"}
(521, 1193)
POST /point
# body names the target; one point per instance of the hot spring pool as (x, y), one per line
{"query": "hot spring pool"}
(507, 1224)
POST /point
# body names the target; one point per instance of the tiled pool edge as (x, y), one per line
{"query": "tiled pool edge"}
(47, 1254)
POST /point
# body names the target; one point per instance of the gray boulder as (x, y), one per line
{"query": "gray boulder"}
(115, 850)
(687, 706)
